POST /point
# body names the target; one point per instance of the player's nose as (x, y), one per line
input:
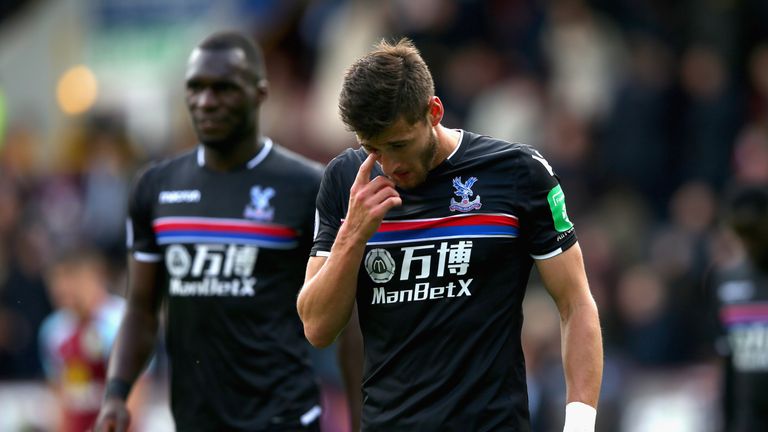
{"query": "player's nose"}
(388, 164)
(207, 98)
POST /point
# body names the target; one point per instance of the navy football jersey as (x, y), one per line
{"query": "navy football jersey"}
(233, 246)
(742, 309)
(441, 284)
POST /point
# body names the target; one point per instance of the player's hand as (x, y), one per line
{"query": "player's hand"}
(369, 201)
(113, 417)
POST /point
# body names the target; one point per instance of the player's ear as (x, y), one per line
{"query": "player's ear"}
(435, 111)
(262, 90)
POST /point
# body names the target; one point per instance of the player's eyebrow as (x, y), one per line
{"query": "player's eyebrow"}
(368, 148)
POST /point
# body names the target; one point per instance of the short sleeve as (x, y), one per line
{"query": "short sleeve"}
(309, 226)
(329, 210)
(546, 225)
(141, 239)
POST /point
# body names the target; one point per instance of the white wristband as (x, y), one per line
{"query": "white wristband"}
(579, 417)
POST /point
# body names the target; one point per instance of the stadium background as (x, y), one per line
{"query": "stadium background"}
(649, 110)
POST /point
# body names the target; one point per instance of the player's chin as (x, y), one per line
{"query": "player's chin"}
(410, 184)
(402, 180)
(216, 141)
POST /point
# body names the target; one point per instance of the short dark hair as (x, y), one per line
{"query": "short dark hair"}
(230, 39)
(390, 81)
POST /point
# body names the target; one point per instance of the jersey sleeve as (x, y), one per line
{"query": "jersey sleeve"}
(545, 223)
(329, 210)
(309, 227)
(141, 240)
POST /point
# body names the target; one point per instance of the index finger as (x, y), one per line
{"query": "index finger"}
(364, 172)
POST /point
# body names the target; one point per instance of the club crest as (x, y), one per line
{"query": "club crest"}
(464, 190)
(259, 208)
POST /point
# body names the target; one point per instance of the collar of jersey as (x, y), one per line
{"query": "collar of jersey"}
(452, 158)
(458, 145)
(265, 149)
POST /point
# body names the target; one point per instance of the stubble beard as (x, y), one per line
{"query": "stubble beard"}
(426, 161)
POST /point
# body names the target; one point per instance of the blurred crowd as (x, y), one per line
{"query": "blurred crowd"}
(649, 111)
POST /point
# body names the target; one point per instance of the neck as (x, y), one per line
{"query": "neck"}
(227, 159)
(447, 141)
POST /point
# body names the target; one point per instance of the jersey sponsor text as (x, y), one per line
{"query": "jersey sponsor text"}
(213, 287)
(215, 270)
(179, 196)
(750, 347)
(422, 291)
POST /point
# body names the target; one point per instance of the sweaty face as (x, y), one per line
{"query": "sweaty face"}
(221, 97)
(406, 152)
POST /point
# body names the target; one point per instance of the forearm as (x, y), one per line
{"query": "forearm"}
(134, 345)
(582, 353)
(326, 300)
(328, 295)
